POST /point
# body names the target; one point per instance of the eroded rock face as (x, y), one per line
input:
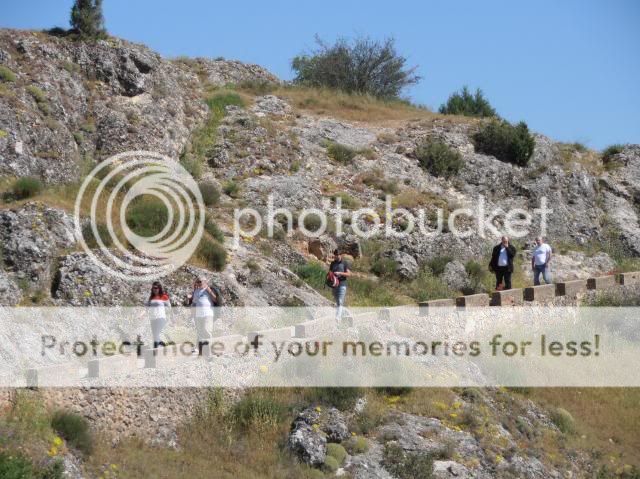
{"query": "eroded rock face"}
(405, 265)
(306, 441)
(31, 235)
(10, 293)
(456, 277)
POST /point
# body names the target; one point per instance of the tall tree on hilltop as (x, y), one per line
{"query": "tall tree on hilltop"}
(87, 18)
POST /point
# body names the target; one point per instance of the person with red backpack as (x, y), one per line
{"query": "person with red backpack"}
(337, 281)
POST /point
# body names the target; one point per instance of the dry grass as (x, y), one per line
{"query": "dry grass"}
(345, 106)
(214, 443)
(607, 420)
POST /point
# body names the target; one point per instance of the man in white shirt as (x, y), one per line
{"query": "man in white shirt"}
(540, 262)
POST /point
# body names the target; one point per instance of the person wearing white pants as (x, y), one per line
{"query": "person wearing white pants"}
(203, 299)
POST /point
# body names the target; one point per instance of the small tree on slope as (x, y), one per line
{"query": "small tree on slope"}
(87, 19)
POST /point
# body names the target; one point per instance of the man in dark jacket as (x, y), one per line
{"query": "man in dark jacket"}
(502, 262)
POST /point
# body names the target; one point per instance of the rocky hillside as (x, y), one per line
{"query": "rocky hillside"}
(65, 106)
(69, 105)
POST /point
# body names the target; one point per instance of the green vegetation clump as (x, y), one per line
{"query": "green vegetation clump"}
(609, 152)
(210, 193)
(90, 238)
(338, 452)
(312, 222)
(203, 142)
(211, 227)
(383, 266)
(438, 263)
(26, 187)
(7, 75)
(341, 153)
(147, 216)
(508, 143)
(16, 466)
(349, 202)
(376, 179)
(257, 411)
(363, 66)
(468, 104)
(563, 420)
(87, 19)
(212, 253)
(340, 398)
(40, 97)
(74, 429)
(357, 445)
(439, 159)
(407, 465)
(331, 464)
(231, 188)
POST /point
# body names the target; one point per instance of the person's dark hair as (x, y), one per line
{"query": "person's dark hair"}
(160, 292)
(336, 251)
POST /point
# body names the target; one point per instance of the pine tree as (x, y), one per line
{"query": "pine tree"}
(87, 18)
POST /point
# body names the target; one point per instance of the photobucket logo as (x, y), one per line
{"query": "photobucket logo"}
(368, 222)
(121, 182)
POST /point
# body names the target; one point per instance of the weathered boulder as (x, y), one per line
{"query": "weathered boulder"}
(322, 247)
(30, 236)
(456, 276)
(405, 265)
(10, 293)
(305, 439)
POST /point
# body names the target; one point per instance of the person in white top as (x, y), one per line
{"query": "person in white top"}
(158, 304)
(203, 299)
(540, 260)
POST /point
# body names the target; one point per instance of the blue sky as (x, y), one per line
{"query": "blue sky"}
(570, 69)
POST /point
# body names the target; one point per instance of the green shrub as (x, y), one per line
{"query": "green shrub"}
(15, 466)
(563, 420)
(508, 143)
(6, 74)
(468, 104)
(437, 264)
(362, 66)
(348, 201)
(192, 164)
(610, 151)
(341, 153)
(74, 429)
(376, 179)
(312, 222)
(256, 411)
(26, 187)
(147, 216)
(383, 266)
(312, 273)
(40, 97)
(231, 188)
(342, 398)
(337, 451)
(210, 193)
(211, 227)
(331, 464)
(357, 445)
(439, 159)
(427, 286)
(213, 253)
(407, 465)
(90, 238)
